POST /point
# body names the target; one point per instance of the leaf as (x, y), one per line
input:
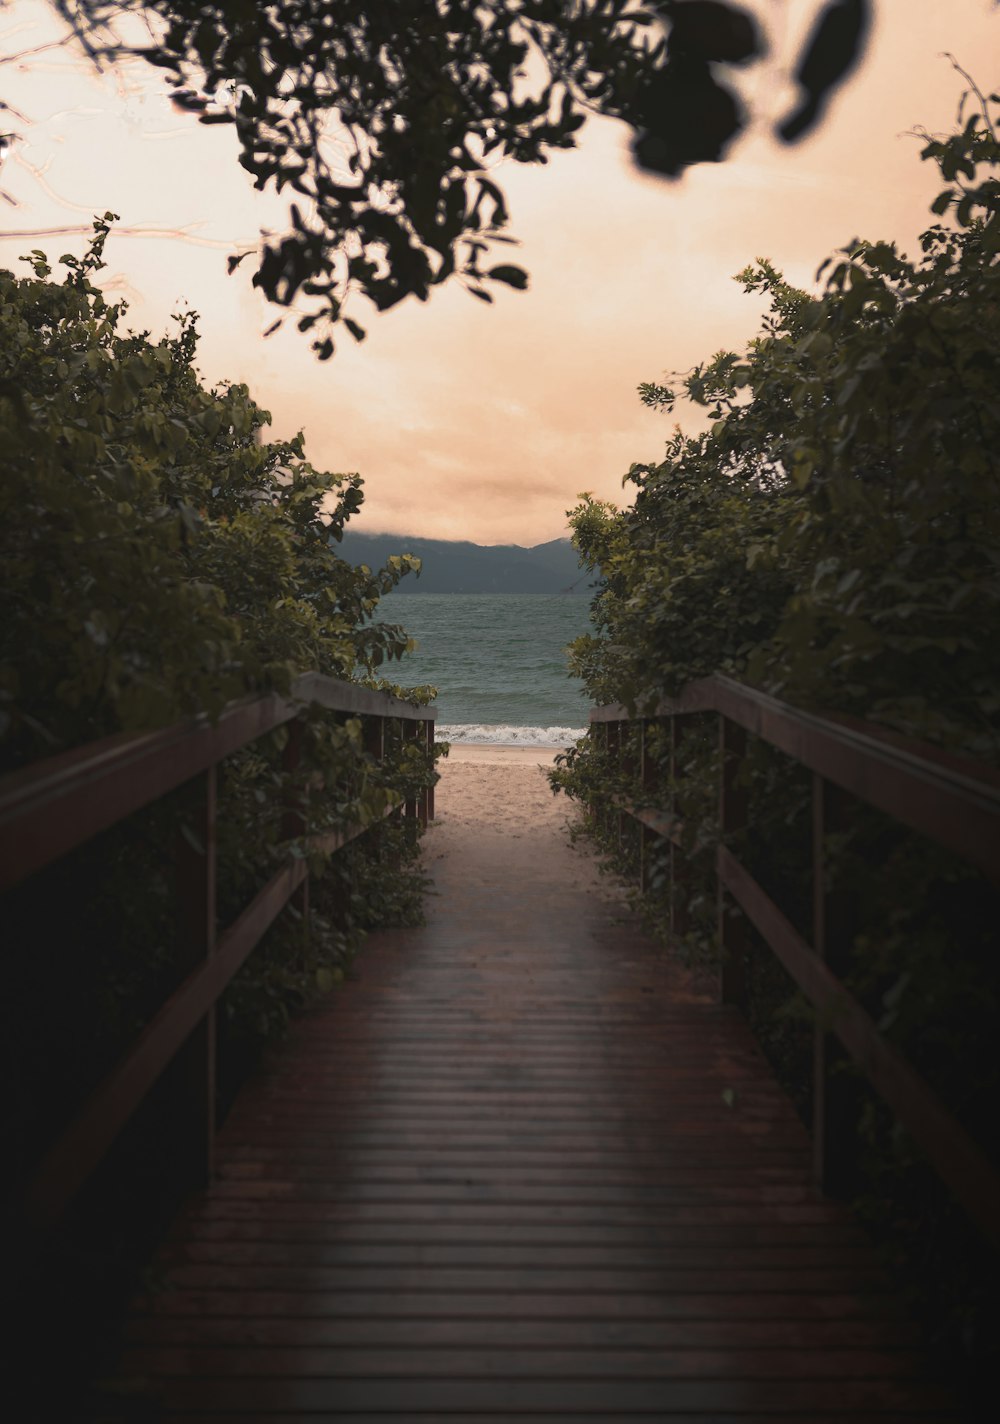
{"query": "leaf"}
(510, 275)
(834, 48)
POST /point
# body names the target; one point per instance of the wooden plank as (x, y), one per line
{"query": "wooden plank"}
(530, 1417)
(196, 1227)
(304, 1332)
(809, 1212)
(659, 1362)
(567, 1396)
(531, 1256)
(654, 1279)
(309, 1159)
(451, 1194)
(375, 1306)
(496, 1176)
(338, 696)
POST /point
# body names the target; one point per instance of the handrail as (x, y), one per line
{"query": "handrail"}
(53, 806)
(99, 784)
(928, 791)
(949, 799)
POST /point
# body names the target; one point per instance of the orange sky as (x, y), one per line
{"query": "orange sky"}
(468, 421)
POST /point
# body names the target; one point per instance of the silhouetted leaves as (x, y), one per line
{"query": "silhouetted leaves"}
(834, 48)
(689, 118)
(511, 276)
(834, 534)
(388, 121)
(709, 29)
(159, 556)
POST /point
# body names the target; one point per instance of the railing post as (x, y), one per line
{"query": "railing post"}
(293, 822)
(411, 809)
(615, 750)
(732, 818)
(678, 913)
(195, 880)
(836, 1104)
(647, 777)
(600, 810)
(374, 737)
(428, 727)
(627, 764)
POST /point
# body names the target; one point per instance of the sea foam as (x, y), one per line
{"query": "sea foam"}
(505, 736)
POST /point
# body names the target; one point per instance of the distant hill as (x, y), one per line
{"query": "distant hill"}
(459, 567)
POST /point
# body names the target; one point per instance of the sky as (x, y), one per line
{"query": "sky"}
(468, 421)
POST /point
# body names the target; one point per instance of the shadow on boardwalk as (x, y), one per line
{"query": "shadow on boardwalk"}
(499, 1177)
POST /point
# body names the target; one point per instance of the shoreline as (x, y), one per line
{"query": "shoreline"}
(490, 754)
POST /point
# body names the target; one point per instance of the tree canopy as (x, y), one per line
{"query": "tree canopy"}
(386, 121)
(160, 558)
(833, 535)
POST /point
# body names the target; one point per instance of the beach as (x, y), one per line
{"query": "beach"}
(500, 789)
(486, 754)
(494, 806)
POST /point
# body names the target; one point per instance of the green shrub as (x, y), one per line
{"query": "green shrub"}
(160, 559)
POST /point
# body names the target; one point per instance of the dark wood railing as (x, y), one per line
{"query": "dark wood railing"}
(53, 806)
(954, 802)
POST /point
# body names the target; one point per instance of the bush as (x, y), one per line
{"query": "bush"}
(161, 559)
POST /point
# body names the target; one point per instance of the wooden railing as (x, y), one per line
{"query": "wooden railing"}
(53, 806)
(954, 802)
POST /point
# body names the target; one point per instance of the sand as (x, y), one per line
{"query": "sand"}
(499, 756)
(494, 808)
(500, 788)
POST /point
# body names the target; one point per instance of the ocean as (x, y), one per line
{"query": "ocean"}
(498, 662)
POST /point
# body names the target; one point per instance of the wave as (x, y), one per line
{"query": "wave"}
(505, 736)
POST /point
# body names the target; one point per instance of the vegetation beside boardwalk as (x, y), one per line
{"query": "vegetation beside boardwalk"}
(161, 559)
(833, 537)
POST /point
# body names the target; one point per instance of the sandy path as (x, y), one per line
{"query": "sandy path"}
(496, 815)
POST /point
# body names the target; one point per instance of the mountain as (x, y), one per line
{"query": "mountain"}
(459, 567)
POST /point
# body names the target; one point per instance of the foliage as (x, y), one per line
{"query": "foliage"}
(834, 537)
(388, 120)
(174, 559)
(161, 559)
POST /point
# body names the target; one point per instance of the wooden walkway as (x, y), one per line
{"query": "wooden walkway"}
(519, 1171)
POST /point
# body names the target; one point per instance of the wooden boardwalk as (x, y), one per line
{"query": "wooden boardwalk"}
(518, 1170)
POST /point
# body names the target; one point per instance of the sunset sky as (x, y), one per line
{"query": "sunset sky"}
(468, 421)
